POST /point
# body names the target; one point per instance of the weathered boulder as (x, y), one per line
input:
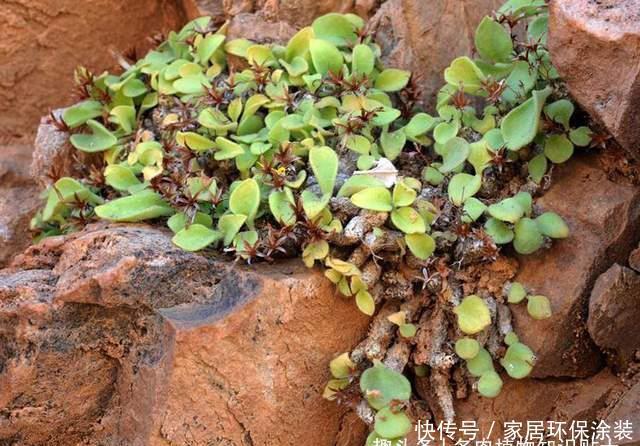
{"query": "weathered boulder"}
(19, 198)
(602, 217)
(425, 38)
(115, 336)
(41, 42)
(530, 399)
(614, 312)
(596, 47)
(625, 415)
(296, 12)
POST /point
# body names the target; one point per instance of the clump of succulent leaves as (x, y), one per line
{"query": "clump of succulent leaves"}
(315, 149)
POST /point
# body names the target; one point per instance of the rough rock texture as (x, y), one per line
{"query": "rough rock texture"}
(424, 39)
(634, 259)
(41, 42)
(115, 336)
(627, 408)
(603, 217)
(557, 400)
(19, 198)
(614, 312)
(596, 47)
(296, 12)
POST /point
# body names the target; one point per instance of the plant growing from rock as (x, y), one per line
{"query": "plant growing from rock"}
(316, 149)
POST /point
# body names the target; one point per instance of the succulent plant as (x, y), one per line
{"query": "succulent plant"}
(315, 149)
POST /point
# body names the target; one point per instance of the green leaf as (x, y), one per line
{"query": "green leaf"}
(525, 201)
(335, 28)
(420, 245)
(467, 348)
(527, 238)
(392, 79)
(419, 124)
(365, 302)
(144, 205)
(403, 194)
(407, 330)
(324, 164)
(391, 424)
(363, 60)
(455, 153)
(490, 384)
(392, 143)
(382, 385)
(558, 148)
(498, 231)
(245, 199)
(560, 111)
(520, 126)
(281, 204)
(518, 360)
(195, 237)
(298, 45)
(463, 186)
(66, 190)
(473, 315)
(229, 225)
(463, 73)
(179, 221)
(342, 366)
(537, 167)
(581, 136)
(445, 131)
(356, 183)
(99, 140)
(509, 210)
(227, 149)
(373, 198)
(552, 225)
(325, 57)
(480, 363)
(539, 307)
(493, 41)
(516, 293)
(208, 46)
(474, 208)
(358, 144)
(312, 204)
(125, 117)
(408, 220)
(80, 113)
(194, 141)
(120, 177)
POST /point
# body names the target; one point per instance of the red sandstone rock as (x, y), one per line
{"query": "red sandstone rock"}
(596, 47)
(115, 336)
(426, 37)
(41, 42)
(614, 312)
(634, 259)
(627, 409)
(602, 217)
(19, 198)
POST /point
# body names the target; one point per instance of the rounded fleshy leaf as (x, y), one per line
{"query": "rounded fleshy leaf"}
(325, 56)
(493, 41)
(528, 238)
(463, 186)
(467, 348)
(537, 167)
(195, 237)
(392, 79)
(390, 424)
(509, 210)
(408, 220)
(335, 28)
(473, 315)
(99, 140)
(499, 232)
(520, 126)
(480, 363)
(342, 366)
(552, 225)
(490, 384)
(245, 199)
(420, 245)
(516, 293)
(363, 60)
(324, 164)
(581, 136)
(144, 205)
(365, 302)
(456, 151)
(373, 198)
(381, 385)
(518, 360)
(463, 73)
(558, 148)
(539, 307)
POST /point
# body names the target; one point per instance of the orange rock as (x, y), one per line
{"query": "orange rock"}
(601, 216)
(596, 48)
(115, 335)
